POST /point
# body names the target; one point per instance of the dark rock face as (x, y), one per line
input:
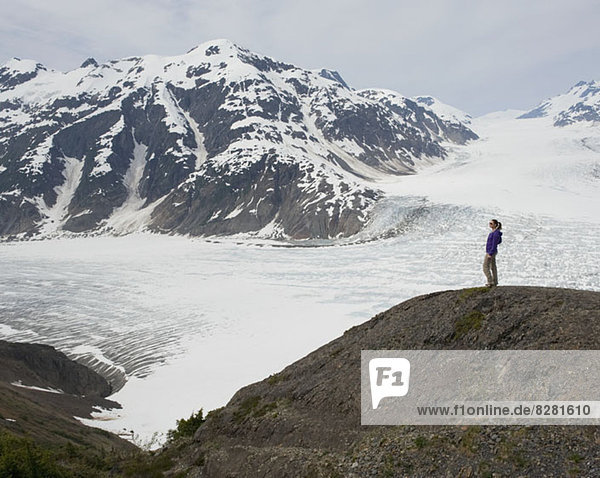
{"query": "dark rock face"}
(305, 420)
(47, 416)
(89, 62)
(418, 116)
(45, 367)
(227, 202)
(577, 113)
(183, 142)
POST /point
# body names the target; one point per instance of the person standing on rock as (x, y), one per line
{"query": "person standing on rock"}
(491, 249)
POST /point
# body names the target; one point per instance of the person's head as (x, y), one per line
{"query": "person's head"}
(495, 224)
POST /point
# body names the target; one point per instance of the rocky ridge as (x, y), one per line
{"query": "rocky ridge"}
(305, 420)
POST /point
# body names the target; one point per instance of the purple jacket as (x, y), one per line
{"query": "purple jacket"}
(494, 238)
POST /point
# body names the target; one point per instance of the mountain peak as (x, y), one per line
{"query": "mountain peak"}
(215, 47)
(584, 88)
(334, 76)
(89, 62)
(581, 103)
(19, 65)
(444, 111)
(16, 72)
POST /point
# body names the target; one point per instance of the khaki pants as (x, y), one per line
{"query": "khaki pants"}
(489, 269)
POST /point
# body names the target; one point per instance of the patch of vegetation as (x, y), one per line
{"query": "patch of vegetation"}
(267, 407)
(519, 459)
(68, 436)
(468, 293)
(470, 439)
(21, 457)
(510, 448)
(246, 408)
(468, 322)
(575, 457)
(276, 378)
(200, 460)
(186, 427)
(574, 472)
(143, 465)
(421, 442)
(252, 407)
(389, 468)
(215, 414)
(485, 470)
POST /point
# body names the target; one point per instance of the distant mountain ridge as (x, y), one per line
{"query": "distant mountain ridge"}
(580, 104)
(217, 141)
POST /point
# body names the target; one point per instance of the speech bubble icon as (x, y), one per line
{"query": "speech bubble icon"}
(389, 378)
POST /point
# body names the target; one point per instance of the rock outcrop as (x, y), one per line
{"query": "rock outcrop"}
(43, 366)
(41, 391)
(305, 420)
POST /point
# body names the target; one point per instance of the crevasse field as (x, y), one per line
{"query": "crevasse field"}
(183, 323)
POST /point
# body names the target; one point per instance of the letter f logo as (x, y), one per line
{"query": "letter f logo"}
(389, 378)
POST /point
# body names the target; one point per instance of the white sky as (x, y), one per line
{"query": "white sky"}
(477, 55)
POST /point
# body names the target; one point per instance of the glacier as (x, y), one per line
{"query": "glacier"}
(187, 322)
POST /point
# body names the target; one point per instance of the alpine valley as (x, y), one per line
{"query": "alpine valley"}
(224, 142)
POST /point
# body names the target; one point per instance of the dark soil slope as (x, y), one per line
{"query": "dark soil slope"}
(48, 417)
(305, 420)
(45, 367)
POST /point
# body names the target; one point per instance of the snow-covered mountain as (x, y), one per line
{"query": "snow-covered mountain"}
(580, 104)
(444, 111)
(217, 141)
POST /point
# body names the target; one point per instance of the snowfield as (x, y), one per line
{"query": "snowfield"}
(518, 165)
(187, 322)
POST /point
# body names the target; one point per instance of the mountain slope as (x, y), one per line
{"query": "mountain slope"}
(216, 141)
(41, 391)
(580, 104)
(42, 366)
(305, 420)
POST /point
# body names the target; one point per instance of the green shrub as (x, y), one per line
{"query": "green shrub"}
(186, 428)
(145, 466)
(20, 457)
